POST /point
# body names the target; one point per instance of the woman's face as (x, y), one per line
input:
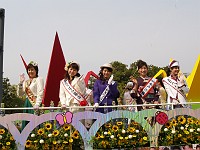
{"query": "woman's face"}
(72, 72)
(143, 71)
(31, 72)
(174, 71)
(106, 73)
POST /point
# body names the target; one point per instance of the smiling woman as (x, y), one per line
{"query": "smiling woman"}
(34, 88)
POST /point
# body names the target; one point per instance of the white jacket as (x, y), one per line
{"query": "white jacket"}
(65, 97)
(37, 88)
(175, 90)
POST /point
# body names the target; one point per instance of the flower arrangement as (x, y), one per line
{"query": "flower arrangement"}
(182, 130)
(7, 141)
(119, 134)
(51, 135)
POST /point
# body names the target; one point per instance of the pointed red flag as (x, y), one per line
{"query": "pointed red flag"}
(25, 65)
(87, 77)
(55, 74)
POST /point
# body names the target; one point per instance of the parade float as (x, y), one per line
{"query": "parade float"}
(52, 128)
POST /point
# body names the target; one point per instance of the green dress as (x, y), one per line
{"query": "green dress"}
(30, 111)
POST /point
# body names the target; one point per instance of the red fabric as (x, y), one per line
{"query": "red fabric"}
(25, 65)
(55, 74)
(87, 77)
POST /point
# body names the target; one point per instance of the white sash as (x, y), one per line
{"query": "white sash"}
(171, 83)
(103, 95)
(70, 89)
(148, 87)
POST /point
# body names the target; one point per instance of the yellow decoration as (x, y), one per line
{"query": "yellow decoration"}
(160, 72)
(193, 83)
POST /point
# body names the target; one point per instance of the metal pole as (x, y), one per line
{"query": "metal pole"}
(2, 15)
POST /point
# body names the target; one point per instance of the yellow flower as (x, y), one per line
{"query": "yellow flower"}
(108, 125)
(145, 138)
(121, 138)
(55, 132)
(126, 138)
(48, 126)
(173, 122)
(131, 129)
(7, 143)
(119, 123)
(2, 131)
(102, 136)
(66, 127)
(65, 142)
(40, 131)
(168, 125)
(54, 142)
(186, 132)
(181, 119)
(190, 120)
(70, 140)
(75, 135)
(28, 143)
(115, 128)
(11, 138)
(179, 135)
(97, 135)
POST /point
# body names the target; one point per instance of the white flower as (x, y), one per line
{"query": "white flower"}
(49, 135)
(198, 129)
(58, 141)
(1, 137)
(105, 133)
(173, 131)
(165, 129)
(65, 135)
(182, 127)
(32, 135)
(191, 130)
(41, 141)
(137, 131)
(130, 136)
(123, 131)
(112, 136)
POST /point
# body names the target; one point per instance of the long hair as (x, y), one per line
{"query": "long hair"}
(101, 77)
(73, 66)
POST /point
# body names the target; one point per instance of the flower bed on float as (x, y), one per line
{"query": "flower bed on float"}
(109, 130)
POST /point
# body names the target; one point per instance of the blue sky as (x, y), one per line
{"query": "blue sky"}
(94, 32)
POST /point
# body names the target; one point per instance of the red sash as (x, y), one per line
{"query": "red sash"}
(147, 88)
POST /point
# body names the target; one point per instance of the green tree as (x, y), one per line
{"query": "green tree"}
(10, 98)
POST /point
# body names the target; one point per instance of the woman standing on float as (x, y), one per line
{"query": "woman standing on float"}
(175, 85)
(144, 87)
(34, 88)
(72, 88)
(105, 89)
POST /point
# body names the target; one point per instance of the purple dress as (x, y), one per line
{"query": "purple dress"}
(111, 96)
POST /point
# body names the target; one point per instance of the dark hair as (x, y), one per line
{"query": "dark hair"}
(32, 66)
(141, 63)
(101, 77)
(73, 66)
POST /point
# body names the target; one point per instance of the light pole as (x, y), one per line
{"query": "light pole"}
(2, 15)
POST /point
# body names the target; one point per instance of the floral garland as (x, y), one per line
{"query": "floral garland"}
(182, 130)
(33, 63)
(52, 136)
